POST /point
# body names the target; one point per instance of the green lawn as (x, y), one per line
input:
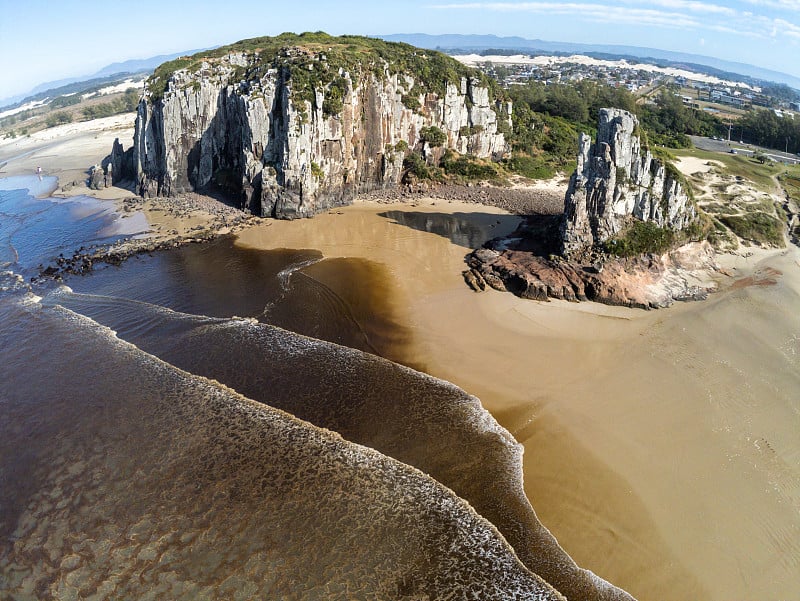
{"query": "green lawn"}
(749, 168)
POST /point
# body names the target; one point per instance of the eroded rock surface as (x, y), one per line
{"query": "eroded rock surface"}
(288, 152)
(618, 180)
(647, 282)
(616, 184)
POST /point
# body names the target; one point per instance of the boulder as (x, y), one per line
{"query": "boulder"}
(97, 178)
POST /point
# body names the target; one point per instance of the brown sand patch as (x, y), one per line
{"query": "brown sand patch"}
(764, 277)
(665, 401)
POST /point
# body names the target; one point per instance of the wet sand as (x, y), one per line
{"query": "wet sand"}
(132, 479)
(661, 447)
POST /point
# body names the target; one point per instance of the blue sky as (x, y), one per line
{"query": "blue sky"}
(47, 40)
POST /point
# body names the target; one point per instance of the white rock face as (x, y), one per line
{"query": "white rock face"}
(616, 181)
(286, 156)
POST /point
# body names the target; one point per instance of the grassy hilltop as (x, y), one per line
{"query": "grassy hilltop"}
(313, 61)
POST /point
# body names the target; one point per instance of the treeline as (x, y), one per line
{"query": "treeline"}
(668, 122)
(547, 119)
(125, 104)
(765, 128)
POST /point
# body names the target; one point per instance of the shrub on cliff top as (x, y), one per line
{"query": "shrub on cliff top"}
(313, 61)
(639, 238)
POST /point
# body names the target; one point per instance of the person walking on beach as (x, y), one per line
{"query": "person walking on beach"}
(39, 172)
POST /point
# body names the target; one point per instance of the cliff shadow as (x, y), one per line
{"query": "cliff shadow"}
(214, 163)
(536, 234)
(469, 230)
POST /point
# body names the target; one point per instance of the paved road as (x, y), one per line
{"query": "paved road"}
(746, 149)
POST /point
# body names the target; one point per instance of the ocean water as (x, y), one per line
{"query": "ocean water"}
(125, 477)
(164, 433)
(35, 230)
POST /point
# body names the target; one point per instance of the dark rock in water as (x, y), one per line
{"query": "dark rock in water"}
(97, 178)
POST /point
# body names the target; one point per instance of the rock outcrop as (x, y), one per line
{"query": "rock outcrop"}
(296, 132)
(645, 282)
(617, 181)
(97, 178)
(121, 163)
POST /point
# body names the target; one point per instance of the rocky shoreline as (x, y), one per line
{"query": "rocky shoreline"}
(223, 220)
(520, 264)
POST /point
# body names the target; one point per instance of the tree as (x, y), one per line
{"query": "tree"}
(564, 101)
(58, 118)
(433, 136)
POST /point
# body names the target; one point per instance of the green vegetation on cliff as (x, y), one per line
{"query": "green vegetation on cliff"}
(313, 61)
(757, 227)
(641, 237)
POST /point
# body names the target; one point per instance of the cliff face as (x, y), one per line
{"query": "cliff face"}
(616, 181)
(290, 154)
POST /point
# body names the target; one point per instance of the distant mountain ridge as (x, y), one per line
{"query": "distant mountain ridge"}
(466, 43)
(478, 43)
(107, 73)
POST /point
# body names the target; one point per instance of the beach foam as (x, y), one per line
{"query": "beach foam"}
(132, 477)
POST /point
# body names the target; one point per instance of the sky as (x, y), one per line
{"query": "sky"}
(42, 41)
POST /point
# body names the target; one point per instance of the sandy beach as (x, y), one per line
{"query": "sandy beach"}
(661, 447)
(641, 429)
(69, 151)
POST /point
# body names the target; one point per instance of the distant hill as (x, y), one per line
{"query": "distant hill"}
(109, 73)
(696, 62)
(144, 64)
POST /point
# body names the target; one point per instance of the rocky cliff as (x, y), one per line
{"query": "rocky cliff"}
(297, 124)
(616, 182)
(620, 200)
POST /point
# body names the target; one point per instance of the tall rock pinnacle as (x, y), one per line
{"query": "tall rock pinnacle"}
(616, 182)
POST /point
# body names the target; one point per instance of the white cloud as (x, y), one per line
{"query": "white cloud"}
(688, 5)
(789, 5)
(786, 28)
(668, 14)
(599, 12)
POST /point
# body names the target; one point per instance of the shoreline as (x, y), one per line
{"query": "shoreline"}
(632, 421)
(558, 376)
